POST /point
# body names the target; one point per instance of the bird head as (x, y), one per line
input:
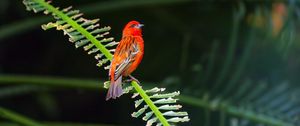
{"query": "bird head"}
(133, 28)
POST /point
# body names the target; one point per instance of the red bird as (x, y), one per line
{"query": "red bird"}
(127, 57)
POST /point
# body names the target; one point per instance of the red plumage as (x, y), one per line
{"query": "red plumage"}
(127, 57)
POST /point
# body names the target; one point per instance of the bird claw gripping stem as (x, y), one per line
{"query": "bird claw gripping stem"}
(132, 79)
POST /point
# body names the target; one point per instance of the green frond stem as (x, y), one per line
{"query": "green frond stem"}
(76, 26)
(94, 85)
(17, 90)
(7, 114)
(51, 81)
(149, 102)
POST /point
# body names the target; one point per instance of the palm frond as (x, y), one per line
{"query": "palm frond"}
(85, 33)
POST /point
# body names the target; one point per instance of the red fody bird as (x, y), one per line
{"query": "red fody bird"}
(127, 57)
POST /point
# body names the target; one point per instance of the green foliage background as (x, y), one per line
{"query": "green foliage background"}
(230, 71)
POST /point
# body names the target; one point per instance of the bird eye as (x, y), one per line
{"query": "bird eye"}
(132, 26)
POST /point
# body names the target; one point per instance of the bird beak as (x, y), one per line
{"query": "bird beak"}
(140, 25)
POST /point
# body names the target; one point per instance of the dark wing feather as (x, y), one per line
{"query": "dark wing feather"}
(128, 50)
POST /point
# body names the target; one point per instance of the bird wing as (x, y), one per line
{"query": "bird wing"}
(125, 55)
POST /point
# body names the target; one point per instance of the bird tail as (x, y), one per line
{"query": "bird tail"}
(115, 90)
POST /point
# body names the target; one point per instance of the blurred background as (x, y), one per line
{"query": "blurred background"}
(236, 63)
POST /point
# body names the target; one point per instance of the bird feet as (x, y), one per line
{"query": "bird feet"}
(132, 79)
